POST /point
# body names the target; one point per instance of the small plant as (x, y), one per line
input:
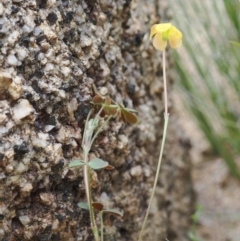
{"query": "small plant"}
(161, 34)
(103, 109)
(192, 233)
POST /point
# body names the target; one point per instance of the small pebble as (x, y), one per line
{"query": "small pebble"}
(12, 60)
(136, 171)
(21, 110)
(1, 9)
(24, 220)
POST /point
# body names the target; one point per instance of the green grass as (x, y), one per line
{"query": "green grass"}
(207, 71)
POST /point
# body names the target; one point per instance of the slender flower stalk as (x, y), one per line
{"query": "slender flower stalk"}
(161, 33)
(166, 117)
(165, 84)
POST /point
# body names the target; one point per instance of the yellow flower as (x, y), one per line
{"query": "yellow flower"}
(163, 32)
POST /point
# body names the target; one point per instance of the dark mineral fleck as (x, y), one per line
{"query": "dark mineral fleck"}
(21, 149)
(35, 86)
(58, 167)
(51, 120)
(69, 35)
(138, 39)
(42, 3)
(40, 38)
(24, 40)
(38, 73)
(82, 112)
(1, 156)
(68, 17)
(52, 18)
(45, 235)
(55, 237)
(130, 88)
(14, 10)
(60, 217)
(65, 197)
(38, 20)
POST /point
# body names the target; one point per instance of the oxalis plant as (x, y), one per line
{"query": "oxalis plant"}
(162, 34)
(103, 109)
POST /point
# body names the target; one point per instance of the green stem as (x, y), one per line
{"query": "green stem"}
(94, 226)
(87, 181)
(95, 233)
(166, 118)
(88, 139)
(165, 83)
(101, 216)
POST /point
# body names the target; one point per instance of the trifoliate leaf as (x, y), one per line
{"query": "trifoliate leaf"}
(114, 212)
(83, 205)
(97, 163)
(97, 205)
(76, 163)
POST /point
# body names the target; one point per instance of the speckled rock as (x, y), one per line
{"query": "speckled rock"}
(51, 52)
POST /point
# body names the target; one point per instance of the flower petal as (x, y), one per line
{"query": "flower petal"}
(163, 27)
(175, 43)
(153, 30)
(159, 28)
(158, 42)
(175, 38)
